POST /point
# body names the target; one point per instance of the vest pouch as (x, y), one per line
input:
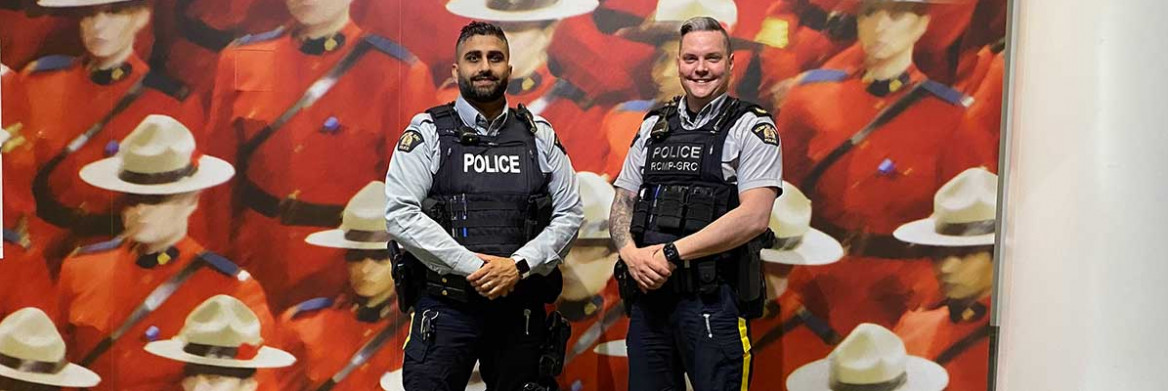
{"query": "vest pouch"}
(699, 208)
(669, 208)
(640, 216)
(539, 214)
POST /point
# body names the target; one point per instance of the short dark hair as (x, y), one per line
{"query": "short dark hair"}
(479, 28)
(706, 23)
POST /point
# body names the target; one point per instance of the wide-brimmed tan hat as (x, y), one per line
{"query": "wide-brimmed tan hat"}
(31, 350)
(158, 158)
(362, 223)
(596, 195)
(520, 10)
(964, 213)
(796, 243)
(222, 332)
(871, 357)
(665, 23)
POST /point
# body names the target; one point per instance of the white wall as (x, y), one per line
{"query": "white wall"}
(1085, 255)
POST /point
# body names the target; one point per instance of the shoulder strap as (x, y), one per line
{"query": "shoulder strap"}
(365, 353)
(52, 210)
(311, 305)
(955, 350)
(314, 92)
(393, 49)
(883, 118)
(445, 118)
(156, 299)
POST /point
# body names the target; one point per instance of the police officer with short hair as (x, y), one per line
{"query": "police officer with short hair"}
(485, 201)
(692, 206)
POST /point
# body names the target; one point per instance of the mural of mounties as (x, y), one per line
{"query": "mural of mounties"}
(889, 139)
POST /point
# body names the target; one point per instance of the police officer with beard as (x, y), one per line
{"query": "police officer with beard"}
(485, 200)
(692, 206)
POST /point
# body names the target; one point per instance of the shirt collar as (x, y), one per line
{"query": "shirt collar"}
(471, 116)
(707, 113)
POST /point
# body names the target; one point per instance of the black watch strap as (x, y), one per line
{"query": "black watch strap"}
(522, 266)
(671, 253)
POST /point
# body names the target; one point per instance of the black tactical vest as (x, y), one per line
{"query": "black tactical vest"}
(489, 192)
(683, 188)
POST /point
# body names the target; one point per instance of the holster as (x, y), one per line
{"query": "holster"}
(751, 284)
(555, 346)
(408, 277)
(626, 285)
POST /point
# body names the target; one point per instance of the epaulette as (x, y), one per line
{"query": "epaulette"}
(947, 94)
(636, 105)
(167, 85)
(393, 49)
(260, 37)
(224, 265)
(16, 238)
(54, 62)
(99, 247)
(312, 305)
(752, 108)
(823, 76)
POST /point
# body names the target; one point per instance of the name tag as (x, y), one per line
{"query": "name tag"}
(676, 158)
(506, 164)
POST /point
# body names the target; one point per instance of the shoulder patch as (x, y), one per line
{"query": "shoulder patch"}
(767, 133)
(54, 62)
(260, 37)
(312, 305)
(393, 49)
(100, 247)
(167, 85)
(409, 140)
(947, 94)
(636, 105)
(823, 76)
(223, 265)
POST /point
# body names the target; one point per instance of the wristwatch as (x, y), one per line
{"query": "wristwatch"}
(522, 266)
(671, 253)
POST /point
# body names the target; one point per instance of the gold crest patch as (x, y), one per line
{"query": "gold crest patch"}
(767, 133)
(409, 140)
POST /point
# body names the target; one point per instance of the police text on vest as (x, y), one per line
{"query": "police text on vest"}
(507, 164)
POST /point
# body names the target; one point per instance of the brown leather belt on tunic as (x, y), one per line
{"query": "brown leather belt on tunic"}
(867, 244)
(289, 210)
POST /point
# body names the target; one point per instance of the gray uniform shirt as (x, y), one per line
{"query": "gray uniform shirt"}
(751, 156)
(411, 173)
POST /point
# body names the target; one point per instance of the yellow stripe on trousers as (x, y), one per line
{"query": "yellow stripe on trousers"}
(745, 336)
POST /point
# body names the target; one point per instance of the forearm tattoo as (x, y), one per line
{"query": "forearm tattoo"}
(621, 217)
